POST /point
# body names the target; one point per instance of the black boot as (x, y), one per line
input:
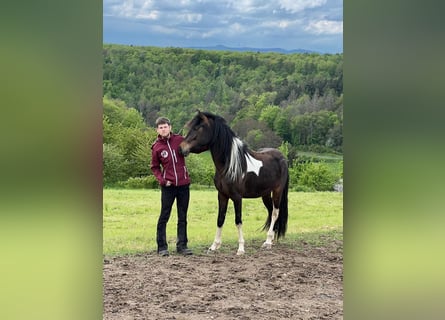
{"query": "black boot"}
(184, 251)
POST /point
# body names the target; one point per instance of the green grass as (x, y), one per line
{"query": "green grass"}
(332, 161)
(130, 217)
(327, 157)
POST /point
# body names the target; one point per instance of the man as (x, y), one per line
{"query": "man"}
(169, 168)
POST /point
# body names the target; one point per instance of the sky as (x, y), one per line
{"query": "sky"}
(315, 25)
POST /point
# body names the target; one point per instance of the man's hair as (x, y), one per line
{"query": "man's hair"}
(162, 120)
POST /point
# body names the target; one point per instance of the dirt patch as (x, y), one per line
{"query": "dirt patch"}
(282, 283)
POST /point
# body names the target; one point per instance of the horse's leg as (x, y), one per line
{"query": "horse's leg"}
(270, 233)
(239, 224)
(240, 240)
(217, 242)
(222, 209)
(267, 200)
(271, 206)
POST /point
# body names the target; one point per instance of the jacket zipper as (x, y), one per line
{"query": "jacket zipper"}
(174, 161)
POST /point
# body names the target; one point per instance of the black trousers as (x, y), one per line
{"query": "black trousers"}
(168, 196)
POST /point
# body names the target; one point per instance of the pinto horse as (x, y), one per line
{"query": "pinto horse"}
(241, 173)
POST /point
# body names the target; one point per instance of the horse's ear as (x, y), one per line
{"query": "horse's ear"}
(203, 117)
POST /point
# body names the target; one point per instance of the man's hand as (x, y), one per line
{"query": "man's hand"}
(168, 183)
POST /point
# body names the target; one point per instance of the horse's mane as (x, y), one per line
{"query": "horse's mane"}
(227, 146)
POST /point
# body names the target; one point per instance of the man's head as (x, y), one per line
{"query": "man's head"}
(163, 127)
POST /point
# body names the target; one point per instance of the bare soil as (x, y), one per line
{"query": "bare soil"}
(302, 282)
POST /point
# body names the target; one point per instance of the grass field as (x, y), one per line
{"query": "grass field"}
(130, 217)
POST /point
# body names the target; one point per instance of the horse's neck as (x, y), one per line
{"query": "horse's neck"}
(227, 160)
(218, 160)
(220, 155)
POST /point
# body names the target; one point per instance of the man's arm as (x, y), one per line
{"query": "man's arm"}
(156, 168)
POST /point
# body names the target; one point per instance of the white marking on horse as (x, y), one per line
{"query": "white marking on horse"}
(253, 165)
(235, 168)
(270, 233)
(240, 240)
(217, 243)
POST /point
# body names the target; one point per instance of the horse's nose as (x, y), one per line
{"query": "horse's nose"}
(182, 151)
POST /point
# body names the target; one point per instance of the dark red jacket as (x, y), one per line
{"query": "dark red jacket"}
(164, 153)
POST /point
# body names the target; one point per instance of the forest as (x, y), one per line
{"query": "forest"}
(289, 101)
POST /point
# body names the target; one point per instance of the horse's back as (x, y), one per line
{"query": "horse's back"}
(270, 157)
(269, 150)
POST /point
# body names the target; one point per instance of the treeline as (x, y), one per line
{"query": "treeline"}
(267, 98)
(127, 144)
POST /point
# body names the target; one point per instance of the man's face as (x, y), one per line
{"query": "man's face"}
(164, 130)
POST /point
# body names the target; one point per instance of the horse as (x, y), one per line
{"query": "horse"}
(241, 173)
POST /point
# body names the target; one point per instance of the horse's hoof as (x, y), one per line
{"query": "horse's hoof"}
(267, 245)
(211, 251)
(240, 252)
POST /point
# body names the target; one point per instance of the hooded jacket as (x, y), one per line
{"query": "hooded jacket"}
(165, 154)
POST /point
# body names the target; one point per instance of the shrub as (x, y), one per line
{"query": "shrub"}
(148, 182)
(318, 176)
(201, 169)
(113, 164)
(311, 176)
(301, 188)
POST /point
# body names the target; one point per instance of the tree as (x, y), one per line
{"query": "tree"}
(315, 128)
(174, 82)
(117, 112)
(113, 165)
(127, 143)
(269, 114)
(256, 134)
(282, 126)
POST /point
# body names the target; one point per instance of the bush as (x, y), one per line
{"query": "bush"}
(318, 176)
(113, 164)
(311, 176)
(301, 188)
(201, 169)
(148, 182)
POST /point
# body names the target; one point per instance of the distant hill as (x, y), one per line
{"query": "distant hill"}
(244, 49)
(268, 97)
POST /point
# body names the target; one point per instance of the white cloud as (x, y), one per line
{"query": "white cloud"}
(325, 27)
(190, 17)
(150, 15)
(164, 30)
(282, 24)
(138, 9)
(210, 33)
(236, 28)
(242, 6)
(299, 5)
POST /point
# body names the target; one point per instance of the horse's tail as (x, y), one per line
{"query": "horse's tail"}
(280, 226)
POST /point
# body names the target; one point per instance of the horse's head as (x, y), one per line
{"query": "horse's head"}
(199, 135)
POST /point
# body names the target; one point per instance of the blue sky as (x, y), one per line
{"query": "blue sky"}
(288, 24)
